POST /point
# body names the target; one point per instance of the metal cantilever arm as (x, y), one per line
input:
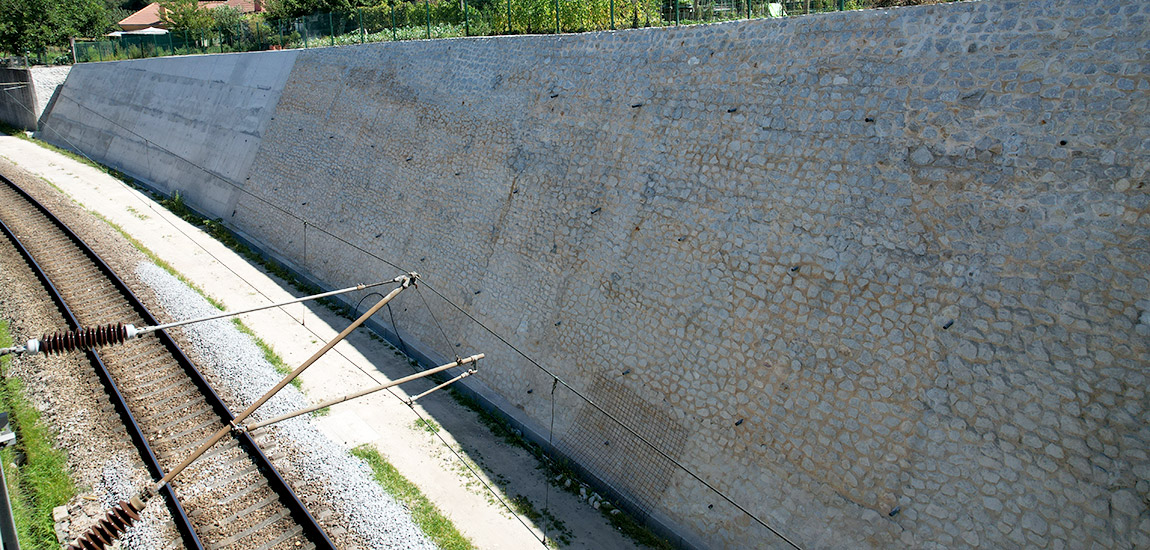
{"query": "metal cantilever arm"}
(404, 281)
(256, 425)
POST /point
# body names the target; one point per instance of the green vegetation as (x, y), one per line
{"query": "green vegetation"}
(295, 8)
(426, 515)
(270, 354)
(34, 25)
(559, 534)
(225, 236)
(185, 15)
(429, 426)
(317, 23)
(137, 214)
(634, 530)
(37, 472)
(158, 260)
(21, 134)
(556, 472)
(175, 204)
(560, 475)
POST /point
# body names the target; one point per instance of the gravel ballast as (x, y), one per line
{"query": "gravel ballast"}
(121, 483)
(102, 461)
(238, 370)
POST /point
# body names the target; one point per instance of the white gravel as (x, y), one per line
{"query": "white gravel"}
(238, 368)
(121, 482)
(45, 80)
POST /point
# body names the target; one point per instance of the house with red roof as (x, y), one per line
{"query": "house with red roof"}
(149, 16)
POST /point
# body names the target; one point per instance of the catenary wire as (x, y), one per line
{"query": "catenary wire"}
(625, 427)
(446, 340)
(550, 443)
(519, 352)
(395, 328)
(151, 206)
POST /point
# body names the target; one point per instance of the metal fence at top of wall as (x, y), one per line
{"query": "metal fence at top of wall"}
(426, 19)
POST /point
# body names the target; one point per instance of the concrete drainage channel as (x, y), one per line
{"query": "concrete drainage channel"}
(239, 366)
(117, 521)
(586, 527)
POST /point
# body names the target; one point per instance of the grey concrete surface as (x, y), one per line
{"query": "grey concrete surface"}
(17, 99)
(879, 277)
(186, 124)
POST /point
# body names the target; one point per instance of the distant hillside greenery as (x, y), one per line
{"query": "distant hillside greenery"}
(539, 10)
(34, 25)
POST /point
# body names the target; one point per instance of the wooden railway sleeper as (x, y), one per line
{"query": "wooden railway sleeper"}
(184, 419)
(168, 412)
(121, 333)
(238, 474)
(294, 532)
(191, 389)
(202, 428)
(252, 530)
(247, 490)
(251, 508)
(114, 310)
(167, 377)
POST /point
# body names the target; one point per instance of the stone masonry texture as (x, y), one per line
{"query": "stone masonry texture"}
(46, 80)
(879, 277)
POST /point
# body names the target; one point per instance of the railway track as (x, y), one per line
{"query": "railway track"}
(233, 497)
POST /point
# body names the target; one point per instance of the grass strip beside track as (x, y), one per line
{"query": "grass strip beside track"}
(426, 515)
(36, 471)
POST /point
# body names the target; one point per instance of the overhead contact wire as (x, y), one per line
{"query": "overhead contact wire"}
(446, 340)
(625, 427)
(535, 363)
(151, 206)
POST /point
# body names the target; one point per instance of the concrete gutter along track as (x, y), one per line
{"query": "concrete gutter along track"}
(871, 279)
(295, 332)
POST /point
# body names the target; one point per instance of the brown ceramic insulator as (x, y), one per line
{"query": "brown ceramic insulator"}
(108, 529)
(85, 338)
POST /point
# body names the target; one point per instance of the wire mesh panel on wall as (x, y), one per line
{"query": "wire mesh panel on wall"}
(603, 445)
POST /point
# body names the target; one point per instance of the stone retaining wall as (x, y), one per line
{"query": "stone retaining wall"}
(27, 93)
(879, 277)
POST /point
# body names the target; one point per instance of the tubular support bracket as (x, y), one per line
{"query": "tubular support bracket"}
(410, 401)
(252, 426)
(111, 334)
(121, 516)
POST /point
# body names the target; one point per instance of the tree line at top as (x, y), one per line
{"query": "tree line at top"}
(33, 25)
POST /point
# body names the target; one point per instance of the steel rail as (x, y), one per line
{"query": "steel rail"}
(307, 522)
(179, 517)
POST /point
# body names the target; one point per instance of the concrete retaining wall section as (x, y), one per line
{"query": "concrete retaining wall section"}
(879, 277)
(189, 124)
(17, 99)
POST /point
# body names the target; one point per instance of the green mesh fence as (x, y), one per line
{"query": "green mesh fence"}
(424, 19)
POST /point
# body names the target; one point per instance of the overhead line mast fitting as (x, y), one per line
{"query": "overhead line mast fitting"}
(123, 514)
(110, 334)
